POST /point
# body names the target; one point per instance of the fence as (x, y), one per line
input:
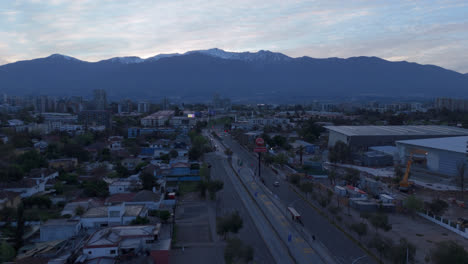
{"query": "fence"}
(446, 223)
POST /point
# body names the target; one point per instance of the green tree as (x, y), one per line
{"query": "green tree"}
(58, 186)
(214, 187)
(381, 245)
(31, 160)
(310, 131)
(164, 215)
(236, 252)
(122, 171)
(19, 227)
(97, 188)
(147, 180)
(7, 252)
(307, 187)
(461, 177)
(228, 152)
(194, 153)
(340, 152)
(202, 187)
(230, 223)
(139, 221)
(412, 204)
(437, 206)
(281, 159)
(402, 251)
(380, 221)
(360, 229)
(173, 153)
(449, 252)
(79, 210)
(352, 176)
(205, 172)
(295, 179)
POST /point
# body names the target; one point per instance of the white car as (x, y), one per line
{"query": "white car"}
(276, 184)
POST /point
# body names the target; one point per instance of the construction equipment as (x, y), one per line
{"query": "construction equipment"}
(406, 185)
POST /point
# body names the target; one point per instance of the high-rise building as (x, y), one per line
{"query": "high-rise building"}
(95, 118)
(100, 99)
(452, 104)
(143, 107)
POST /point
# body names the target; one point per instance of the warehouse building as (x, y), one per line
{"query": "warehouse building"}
(363, 137)
(439, 155)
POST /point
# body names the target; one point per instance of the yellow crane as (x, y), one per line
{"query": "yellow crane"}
(406, 185)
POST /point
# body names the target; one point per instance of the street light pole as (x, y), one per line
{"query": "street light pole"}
(259, 164)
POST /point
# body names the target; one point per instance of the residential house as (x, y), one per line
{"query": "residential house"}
(4, 138)
(183, 171)
(121, 187)
(119, 198)
(150, 199)
(65, 163)
(59, 229)
(114, 143)
(121, 240)
(71, 208)
(121, 214)
(26, 187)
(9, 199)
(131, 163)
(41, 146)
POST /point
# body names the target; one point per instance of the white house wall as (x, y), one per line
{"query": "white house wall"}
(100, 252)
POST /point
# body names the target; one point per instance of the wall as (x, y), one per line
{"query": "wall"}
(100, 252)
(49, 233)
(335, 137)
(447, 226)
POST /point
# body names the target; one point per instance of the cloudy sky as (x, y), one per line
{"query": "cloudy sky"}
(428, 32)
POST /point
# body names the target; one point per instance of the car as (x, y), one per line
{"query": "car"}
(276, 184)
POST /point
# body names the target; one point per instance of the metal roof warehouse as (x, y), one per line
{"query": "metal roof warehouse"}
(362, 137)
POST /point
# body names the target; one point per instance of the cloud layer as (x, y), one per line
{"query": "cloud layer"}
(428, 32)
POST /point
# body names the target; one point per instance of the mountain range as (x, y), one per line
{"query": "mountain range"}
(197, 75)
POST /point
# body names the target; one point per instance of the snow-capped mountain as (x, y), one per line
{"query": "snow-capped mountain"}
(262, 55)
(160, 56)
(57, 56)
(126, 60)
(198, 74)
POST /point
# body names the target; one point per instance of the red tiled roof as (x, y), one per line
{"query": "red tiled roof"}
(120, 197)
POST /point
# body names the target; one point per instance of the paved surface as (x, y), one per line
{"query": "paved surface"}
(298, 244)
(196, 240)
(234, 192)
(343, 249)
(229, 201)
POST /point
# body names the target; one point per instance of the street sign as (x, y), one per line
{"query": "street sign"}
(260, 149)
(260, 142)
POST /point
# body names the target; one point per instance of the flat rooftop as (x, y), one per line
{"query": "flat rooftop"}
(399, 130)
(452, 144)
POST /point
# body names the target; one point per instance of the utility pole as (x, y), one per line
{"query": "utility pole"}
(259, 165)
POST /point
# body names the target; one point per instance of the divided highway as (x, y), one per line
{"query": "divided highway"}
(343, 249)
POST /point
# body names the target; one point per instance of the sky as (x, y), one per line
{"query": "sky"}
(426, 32)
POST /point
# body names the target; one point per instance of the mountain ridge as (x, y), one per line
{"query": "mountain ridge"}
(199, 74)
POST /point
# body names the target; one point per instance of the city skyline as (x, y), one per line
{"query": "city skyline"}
(417, 31)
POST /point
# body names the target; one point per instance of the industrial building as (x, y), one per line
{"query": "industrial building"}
(438, 155)
(363, 137)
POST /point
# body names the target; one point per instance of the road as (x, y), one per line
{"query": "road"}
(341, 247)
(236, 197)
(298, 243)
(228, 201)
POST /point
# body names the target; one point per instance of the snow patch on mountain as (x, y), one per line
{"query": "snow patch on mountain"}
(160, 56)
(60, 56)
(127, 60)
(262, 55)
